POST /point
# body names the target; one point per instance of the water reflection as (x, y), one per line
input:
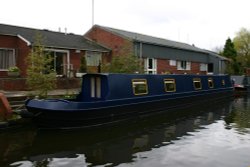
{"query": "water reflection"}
(120, 144)
(239, 117)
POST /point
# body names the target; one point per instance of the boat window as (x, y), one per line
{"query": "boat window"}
(169, 85)
(210, 83)
(92, 86)
(223, 82)
(140, 86)
(197, 83)
(95, 87)
(98, 87)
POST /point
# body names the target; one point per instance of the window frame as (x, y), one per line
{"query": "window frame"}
(150, 62)
(169, 80)
(65, 66)
(93, 58)
(13, 59)
(183, 65)
(210, 80)
(172, 62)
(203, 67)
(134, 85)
(197, 80)
(223, 83)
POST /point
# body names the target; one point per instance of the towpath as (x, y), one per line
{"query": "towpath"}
(57, 92)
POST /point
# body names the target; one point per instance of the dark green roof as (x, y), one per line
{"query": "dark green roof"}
(52, 38)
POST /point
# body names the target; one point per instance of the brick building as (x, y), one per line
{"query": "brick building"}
(160, 55)
(65, 48)
(99, 45)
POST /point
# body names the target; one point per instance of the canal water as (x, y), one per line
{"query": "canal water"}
(214, 134)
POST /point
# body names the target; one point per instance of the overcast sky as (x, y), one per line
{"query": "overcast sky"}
(205, 23)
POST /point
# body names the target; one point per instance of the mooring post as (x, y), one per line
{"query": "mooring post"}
(5, 109)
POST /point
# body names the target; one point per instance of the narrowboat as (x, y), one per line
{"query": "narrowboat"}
(106, 98)
(241, 83)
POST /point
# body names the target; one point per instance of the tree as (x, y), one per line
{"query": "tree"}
(229, 51)
(125, 62)
(242, 45)
(83, 65)
(40, 76)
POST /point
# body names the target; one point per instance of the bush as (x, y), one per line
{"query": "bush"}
(83, 65)
(40, 76)
(13, 69)
(125, 62)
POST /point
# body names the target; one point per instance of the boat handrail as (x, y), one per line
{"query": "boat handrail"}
(58, 100)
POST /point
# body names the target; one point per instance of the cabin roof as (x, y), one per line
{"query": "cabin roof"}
(148, 75)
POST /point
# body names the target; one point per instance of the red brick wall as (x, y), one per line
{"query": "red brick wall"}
(7, 41)
(12, 84)
(164, 67)
(110, 40)
(195, 67)
(19, 84)
(75, 59)
(22, 53)
(21, 49)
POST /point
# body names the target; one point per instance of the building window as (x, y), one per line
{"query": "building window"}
(150, 65)
(169, 85)
(203, 67)
(210, 83)
(210, 68)
(183, 65)
(7, 58)
(140, 86)
(93, 58)
(60, 61)
(197, 83)
(172, 62)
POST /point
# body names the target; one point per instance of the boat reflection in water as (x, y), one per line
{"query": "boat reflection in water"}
(115, 144)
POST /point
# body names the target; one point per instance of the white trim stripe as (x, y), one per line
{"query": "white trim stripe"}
(25, 40)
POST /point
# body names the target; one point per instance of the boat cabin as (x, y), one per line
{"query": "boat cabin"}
(99, 87)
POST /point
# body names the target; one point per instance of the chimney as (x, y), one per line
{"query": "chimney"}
(65, 30)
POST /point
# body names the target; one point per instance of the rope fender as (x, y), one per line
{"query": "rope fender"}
(5, 108)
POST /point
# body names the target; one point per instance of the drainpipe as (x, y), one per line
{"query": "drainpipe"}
(68, 64)
(140, 50)
(140, 54)
(220, 67)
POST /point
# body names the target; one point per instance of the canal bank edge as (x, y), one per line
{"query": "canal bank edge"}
(25, 94)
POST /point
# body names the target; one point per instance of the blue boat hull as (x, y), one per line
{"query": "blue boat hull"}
(69, 114)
